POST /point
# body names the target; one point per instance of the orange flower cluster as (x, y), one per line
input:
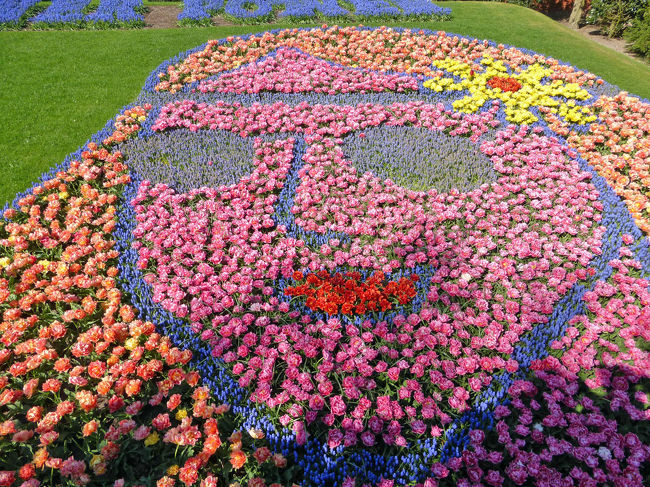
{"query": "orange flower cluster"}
(381, 49)
(79, 363)
(504, 84)
(619, 149)
(128, 123)
(237, 457)
(345, 294)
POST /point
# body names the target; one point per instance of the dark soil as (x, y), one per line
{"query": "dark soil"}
(220, 21)
(162, 16)
(166, 16)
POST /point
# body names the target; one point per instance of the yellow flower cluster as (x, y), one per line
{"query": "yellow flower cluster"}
(152, 439)
(533, 92)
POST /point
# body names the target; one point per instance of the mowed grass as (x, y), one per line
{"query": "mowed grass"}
(57, 88)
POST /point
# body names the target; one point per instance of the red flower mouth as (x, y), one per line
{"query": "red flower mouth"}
(505, 83)
(347, 294)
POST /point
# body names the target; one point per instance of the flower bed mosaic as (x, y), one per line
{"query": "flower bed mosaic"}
(337, 256)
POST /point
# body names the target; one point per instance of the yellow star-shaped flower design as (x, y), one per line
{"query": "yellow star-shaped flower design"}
(526, 88)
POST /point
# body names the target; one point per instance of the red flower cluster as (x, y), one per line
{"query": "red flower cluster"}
(346, 294)
(504, 84)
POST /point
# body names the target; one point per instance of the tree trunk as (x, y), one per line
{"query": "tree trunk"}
(577, 13)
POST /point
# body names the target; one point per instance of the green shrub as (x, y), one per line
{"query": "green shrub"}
(615, 16)
(639, 35)
(523, 3)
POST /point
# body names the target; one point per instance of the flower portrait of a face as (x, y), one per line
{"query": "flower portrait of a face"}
(376, 246)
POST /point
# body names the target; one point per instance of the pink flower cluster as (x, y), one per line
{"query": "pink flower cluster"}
(614, 330)
(319, 120)
(291, 71)
(576, 422)
(505, 253)
(212, 246)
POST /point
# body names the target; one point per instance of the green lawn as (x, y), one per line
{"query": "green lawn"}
(59, 87)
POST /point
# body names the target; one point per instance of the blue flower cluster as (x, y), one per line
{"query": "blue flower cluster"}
(311, 8)
(124, 12)
(263, 10)
(116, 10)
(63, 11)
(420, 7)
(250, 9)
(293, 99)
(200, 10)
(66, 13)
(187, 160)
(12, 10)
(375, 7)
(419, 158)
